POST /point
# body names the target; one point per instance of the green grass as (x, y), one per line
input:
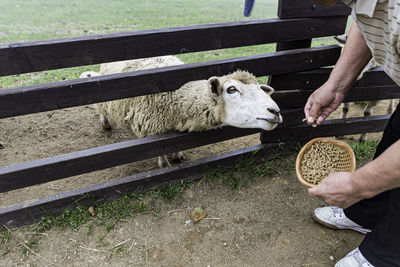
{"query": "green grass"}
(39, 20)
(29, 245)
(23, 21)
(110, 213)
(364, 150)
(247, 170)
(170, 192)
(5, 236)
(106, 214)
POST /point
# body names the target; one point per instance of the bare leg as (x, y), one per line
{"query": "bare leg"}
(178, 156)
(104, 122)
(163, 162)
(391, 106)
(368, 110)
(345, 109)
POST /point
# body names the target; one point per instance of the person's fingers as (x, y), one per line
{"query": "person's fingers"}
(307, 107)
(324, 114)
(313, 192)
(321, 118)
(315, 109)
(316, 191)
(314, 113)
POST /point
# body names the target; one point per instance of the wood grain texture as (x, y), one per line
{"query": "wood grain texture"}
(298, 98)
(308, 8)
(57, 95)
(87, 50)
(309, 80)
(32, 210)
(336, 127)
(98, 158)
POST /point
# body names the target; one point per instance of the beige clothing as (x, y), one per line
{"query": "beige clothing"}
(379, 22)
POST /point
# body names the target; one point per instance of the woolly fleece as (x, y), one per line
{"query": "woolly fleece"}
(190, 108)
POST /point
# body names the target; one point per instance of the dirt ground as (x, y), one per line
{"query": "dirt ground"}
(267, 223)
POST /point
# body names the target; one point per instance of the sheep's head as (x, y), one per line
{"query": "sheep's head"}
(247, 103)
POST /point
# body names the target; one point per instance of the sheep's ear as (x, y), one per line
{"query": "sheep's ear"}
(268, 89)
(215, 86)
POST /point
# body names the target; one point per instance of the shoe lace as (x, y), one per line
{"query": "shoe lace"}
(337, 212)
(361, 259)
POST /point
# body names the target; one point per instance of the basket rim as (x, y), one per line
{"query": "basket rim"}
(346, 146)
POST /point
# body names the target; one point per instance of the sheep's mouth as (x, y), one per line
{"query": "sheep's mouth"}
(275, 121)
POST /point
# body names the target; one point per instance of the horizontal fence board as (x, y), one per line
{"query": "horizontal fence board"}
(57, 95)
(32, 210)
(308, 80)
(335, 127)
(77, 51)
(308, 8)
(298, 98)
(290, 45)
(75, 163)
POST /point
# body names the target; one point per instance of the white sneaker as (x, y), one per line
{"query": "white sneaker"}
(354, 259)
(334, 217)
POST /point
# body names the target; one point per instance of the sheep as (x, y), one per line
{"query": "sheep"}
(369, 108)
(235, 99)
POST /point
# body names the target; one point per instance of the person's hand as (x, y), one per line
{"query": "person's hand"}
(337, 189)
(322, 102)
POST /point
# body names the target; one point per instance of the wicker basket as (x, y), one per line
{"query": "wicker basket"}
(347, 161)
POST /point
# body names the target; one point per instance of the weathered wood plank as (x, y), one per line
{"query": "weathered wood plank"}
(309, 80)
(298, 98)
(334, 127)
(308, 8)
(56, 95)
(77, 51)
(98, 158)
(290, 45)
(32, 210)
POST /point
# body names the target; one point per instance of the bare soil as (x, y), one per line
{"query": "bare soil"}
(265, 224)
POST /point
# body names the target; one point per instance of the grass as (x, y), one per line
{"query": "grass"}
(110, 213)
(364, 150)
(106, 214)
(170, 192)
(31, 21)
(248, 170)
(29, 245)
(5, 236)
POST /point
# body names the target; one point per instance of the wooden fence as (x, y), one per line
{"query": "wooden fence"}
(295, 69)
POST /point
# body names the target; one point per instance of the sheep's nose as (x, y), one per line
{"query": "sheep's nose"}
(273, 111)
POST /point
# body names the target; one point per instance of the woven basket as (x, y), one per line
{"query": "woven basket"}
(347, 160)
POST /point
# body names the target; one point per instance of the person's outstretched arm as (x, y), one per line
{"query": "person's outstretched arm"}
(328, 97)
(343, 189)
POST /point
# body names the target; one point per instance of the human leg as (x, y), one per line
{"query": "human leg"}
(369, 212)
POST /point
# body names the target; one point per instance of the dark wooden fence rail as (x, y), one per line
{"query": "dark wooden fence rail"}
(332, 127)
(31, 211)
(77, 51)
(58, 167)
(296, 73)
(297, 98)
(56, 95)
(309, 80)
(308, 8)
(30, 173)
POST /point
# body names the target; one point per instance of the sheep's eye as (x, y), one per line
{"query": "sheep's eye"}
(231, 90)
